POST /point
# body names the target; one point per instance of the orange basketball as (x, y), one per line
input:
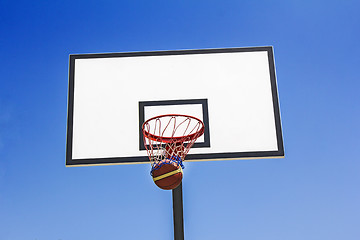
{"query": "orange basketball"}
(167, 174)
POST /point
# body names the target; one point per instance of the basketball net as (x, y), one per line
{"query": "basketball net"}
(168, 138)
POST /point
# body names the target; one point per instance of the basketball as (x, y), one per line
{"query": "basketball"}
(167, 174)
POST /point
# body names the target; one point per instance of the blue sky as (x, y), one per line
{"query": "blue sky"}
(313, 193)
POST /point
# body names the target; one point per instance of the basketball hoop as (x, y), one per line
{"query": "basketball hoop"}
(168, 139)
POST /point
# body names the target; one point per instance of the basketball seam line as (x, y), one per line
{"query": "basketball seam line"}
(167, 174)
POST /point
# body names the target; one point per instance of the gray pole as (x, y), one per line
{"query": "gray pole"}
(178, 213)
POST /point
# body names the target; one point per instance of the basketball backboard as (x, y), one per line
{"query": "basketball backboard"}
(233, 91)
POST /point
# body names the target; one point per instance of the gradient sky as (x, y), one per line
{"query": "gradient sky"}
(313, 193)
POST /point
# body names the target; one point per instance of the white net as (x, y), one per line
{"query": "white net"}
(171, 137)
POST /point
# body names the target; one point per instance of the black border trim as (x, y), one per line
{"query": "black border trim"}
(275, 102)
(144, 159)
(69, 136)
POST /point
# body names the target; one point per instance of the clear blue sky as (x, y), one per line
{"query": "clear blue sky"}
(313, 193)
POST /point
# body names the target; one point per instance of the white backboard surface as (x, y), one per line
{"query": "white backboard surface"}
(232, 90)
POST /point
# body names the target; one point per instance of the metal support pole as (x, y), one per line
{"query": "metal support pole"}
(178, 213)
